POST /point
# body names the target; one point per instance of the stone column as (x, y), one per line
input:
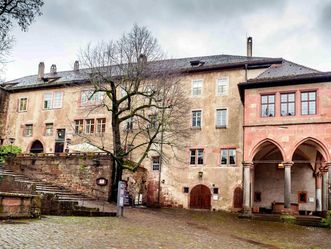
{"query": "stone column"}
(318, 183)
(247, 187)
(287, 184)
(329, 187)
(325, 190)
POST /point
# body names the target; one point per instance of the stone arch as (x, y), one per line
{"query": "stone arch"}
(36, 147)
(319, 146)
(200, 197)
(259, 146)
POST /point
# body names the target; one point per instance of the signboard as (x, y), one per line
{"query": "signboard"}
(121, 193)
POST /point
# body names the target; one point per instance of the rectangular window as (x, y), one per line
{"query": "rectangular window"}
(101, 125)
(257, 196)
(129, 124)
(196, 119)
(89, 126)
(79, 125)
(89, 97)
(222, 86)
(287, 104)
(28, 128)
(228, 157)
(156, 163)
(196, 157)
(221, 117)
(49, 129)
(48, 100)
(268, 105)
(23, 105)
(57, 100)
(302, 197)
(308, 103)
(197, 87)
(152, 121)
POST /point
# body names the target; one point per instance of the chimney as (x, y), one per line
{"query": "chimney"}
(249, 46)
(41, 70)
(53, 69)
(76, 66)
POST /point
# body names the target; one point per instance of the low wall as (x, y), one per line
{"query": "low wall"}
(16, 205)
(76, 172)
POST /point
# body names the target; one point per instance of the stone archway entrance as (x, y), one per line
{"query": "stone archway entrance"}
(200, 197)
(37, 147)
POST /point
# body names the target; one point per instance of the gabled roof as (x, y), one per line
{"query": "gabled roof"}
(182, 65)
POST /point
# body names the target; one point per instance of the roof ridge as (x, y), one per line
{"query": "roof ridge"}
(297, 64)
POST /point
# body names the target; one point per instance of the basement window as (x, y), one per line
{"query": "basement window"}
(257, 196)
(302, 197)
(186, 190)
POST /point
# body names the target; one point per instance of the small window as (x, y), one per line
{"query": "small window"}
(257, 197)
(23, 105)
(308, 103)
(268, 105)
(129, 124)
(48, 100)
(156, 163)
(79, 125)
(186, 190)
(196, 157)
(196, 119)
(49, 129)
(228, 157)
(302, 197)
(28, 128)
(152, 121)
(215, 191)
(89, 126)
(287, 104)
(101, 125)
(221, 118)
(222, 86)
(197, 87)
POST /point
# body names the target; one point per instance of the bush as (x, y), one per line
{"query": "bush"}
(6, 150)
(288, 218)
(326, 222)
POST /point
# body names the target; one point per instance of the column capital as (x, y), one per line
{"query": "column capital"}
(288, 164)
(248, 164)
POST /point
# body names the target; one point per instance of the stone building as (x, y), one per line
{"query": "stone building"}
(47, 110)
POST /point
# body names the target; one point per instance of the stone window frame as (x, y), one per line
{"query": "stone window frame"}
(308, 101)
(28, 130)
(196, 157)
(101, 125)
(287, 102)
(20, 104)
(227, 85)
(89, 126)
(46, 133)
(193, 88)
(52, 100)
(78, 126)
(156, 163)
(268, 103)
(305, 196)
(227, 150)
(226, 117)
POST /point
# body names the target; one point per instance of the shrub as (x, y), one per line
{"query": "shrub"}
(6, 150)
(326, 222)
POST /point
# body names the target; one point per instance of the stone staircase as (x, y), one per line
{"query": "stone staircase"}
(304, 220)
(57, 200)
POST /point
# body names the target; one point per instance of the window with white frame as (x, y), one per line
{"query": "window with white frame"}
(28, 129)
(89, 97)
(48, 129)
(228, 157)
(197, 87)
(23, 105)
(156, 163)
(221, 117)
(89, 126)
(79, 126)
(196, 119)
(196, 157)
(53, 100)
(222, 86)
(101, 125)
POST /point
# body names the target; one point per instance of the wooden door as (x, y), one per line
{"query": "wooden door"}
(238, 198)
(200, 197)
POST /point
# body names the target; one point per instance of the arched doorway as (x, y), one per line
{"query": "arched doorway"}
(37, 147)
(238, 198)
(200, 197)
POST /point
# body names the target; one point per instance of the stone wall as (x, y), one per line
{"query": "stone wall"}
(76, 172)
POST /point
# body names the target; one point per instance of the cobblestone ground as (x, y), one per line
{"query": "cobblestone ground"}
(165, 228)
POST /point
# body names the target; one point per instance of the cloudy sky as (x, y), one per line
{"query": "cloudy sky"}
(296, 30)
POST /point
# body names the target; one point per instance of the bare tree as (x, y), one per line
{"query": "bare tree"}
(143, 94)
(21, 11)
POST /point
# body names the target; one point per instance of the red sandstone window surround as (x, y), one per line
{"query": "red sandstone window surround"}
(287, 104)
(308, 103)
(89, 126)
(101, 125)
(79, 126)
(196, 156)
(228, 157)
(268, 105)
(28, 130)
(302, 197)
(22, 104)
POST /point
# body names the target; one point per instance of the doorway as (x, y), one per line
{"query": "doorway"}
(200, 197)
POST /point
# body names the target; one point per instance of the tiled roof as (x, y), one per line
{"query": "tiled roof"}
(182, 64)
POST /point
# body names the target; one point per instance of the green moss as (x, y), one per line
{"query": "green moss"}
(288, 218)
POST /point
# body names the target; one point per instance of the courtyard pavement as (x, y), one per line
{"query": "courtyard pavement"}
(159, 228)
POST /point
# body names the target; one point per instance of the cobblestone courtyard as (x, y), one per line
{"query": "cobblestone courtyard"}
(166, 228)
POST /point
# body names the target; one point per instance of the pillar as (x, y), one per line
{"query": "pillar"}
(287, 184)
(318, 194)
(325, 190)
(247, 187)
(329, 184)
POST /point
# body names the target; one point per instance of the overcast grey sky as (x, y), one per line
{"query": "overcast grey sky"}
(296, 30)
